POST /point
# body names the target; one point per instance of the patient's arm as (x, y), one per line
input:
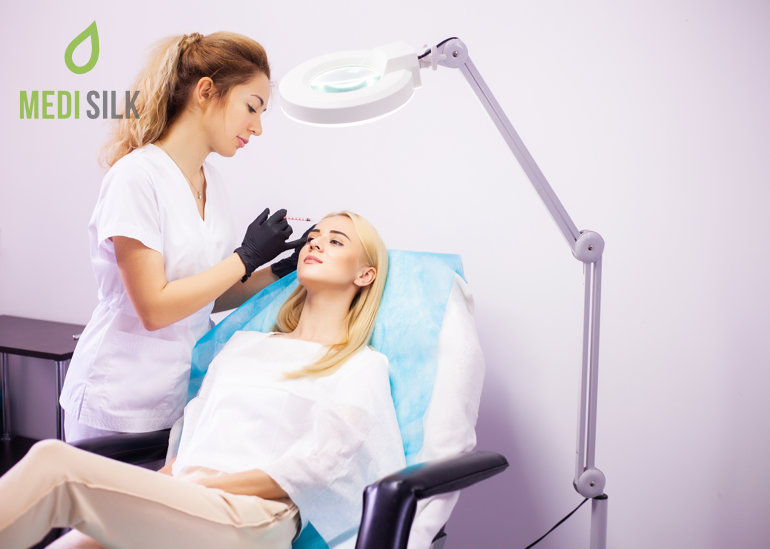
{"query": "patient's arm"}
(249, 483)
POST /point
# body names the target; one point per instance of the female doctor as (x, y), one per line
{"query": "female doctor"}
(160, 236)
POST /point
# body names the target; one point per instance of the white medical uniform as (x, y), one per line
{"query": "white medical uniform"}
(322, 439)
(123, 377)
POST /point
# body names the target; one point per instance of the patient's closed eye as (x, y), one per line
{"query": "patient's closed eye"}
(315, 234)
(332, 241)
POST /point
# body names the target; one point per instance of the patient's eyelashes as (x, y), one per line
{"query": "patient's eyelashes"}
(316, 234)
(332, 241)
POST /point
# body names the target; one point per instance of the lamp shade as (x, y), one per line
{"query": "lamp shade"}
(351, 86)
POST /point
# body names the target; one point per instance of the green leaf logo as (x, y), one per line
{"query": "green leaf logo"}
(91, 33)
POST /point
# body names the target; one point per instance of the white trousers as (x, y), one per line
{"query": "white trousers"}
(124, 506)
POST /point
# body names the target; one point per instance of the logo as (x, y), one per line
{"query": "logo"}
(92, 33)
(63, 104)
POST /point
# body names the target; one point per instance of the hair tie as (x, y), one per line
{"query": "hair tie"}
(188, 40)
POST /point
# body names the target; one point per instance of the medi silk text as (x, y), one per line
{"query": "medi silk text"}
(50, 104)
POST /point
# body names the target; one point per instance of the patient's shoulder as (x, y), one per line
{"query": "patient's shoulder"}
(250, 335)
(245, 337)
(371, 355)
(366, 362)
(362, 381)
(242, 342)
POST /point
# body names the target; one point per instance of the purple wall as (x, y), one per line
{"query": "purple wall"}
(650, 121)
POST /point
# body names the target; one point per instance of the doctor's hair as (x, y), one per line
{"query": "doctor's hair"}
(359, 322)
(174, 69)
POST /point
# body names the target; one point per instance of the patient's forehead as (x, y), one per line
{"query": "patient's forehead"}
(337, 223)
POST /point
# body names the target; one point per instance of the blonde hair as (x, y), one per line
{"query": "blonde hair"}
(359, 322)
(165, 84)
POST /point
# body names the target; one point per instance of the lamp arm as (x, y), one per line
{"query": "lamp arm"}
(587, 247)
(453, 53)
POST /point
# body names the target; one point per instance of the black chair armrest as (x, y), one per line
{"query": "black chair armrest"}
(390, 503)
(133, 448)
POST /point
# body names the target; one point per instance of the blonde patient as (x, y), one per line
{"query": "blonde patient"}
(288, 428)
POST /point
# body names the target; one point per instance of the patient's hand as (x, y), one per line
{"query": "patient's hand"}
(166, 469)
(250, 483)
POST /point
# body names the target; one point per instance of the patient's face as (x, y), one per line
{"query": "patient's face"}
(332, 256)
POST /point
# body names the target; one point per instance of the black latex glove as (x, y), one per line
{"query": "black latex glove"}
(289, 264)
(265, 239)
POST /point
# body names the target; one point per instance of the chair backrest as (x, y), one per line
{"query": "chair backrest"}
(425, 327)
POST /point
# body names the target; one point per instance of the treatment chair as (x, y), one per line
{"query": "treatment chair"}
(426, 329)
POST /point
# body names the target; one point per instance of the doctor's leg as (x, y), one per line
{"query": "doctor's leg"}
(57, 485)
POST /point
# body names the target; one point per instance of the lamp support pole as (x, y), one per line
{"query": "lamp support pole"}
(587, 247)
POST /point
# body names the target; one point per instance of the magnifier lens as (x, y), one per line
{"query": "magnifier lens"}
(345, 79)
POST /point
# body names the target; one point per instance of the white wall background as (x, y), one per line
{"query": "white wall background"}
(651, 122)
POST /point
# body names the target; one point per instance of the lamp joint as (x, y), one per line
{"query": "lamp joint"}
(453, 53)
(589, 247)
(590, 483)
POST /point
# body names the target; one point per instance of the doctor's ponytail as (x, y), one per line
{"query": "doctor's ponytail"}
(165, 84)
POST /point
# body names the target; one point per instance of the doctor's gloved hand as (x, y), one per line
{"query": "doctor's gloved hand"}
(287, 265)
(265, 239)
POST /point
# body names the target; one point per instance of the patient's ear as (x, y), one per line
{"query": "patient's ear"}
(365, 277)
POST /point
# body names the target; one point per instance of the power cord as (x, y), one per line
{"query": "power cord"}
(555, 526)
(427, 51)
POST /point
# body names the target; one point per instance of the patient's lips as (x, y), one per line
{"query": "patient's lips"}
(312, 259)
(241, 141)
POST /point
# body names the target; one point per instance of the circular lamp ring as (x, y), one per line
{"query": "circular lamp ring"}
(350, 87)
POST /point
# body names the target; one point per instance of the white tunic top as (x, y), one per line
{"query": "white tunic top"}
(322, 439)
(123, 377)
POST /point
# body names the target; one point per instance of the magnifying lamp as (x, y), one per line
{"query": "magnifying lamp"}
(356, 86)
(351, 87)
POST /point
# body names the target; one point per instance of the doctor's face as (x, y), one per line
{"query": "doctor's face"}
(239, 117)
(333, 256)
